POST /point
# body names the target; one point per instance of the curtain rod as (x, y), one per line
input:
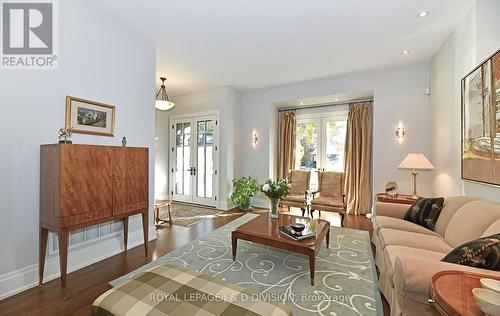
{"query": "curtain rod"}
(323, 105)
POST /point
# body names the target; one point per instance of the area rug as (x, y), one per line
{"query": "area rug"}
(187, 215)
(345, 281)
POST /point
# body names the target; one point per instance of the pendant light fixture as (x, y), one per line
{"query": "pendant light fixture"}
(163, 102)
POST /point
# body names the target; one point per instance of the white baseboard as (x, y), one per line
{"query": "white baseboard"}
(25, 278)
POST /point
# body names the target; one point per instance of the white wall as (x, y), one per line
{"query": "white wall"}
(476, 38)
(398, 96)
(99, 60)
(226, 101)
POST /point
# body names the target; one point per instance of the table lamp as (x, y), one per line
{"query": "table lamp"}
(414, 162)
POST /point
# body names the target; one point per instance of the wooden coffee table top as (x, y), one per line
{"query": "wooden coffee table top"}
(452, 292)
(265, 230)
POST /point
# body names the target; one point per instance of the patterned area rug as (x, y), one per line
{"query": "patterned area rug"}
(345, 282)
(187, 215)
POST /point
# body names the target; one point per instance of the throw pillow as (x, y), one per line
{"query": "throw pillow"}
(481, 253)
(425, 212)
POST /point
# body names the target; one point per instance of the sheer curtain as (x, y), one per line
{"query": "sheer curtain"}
(287, 131)
(358, 158)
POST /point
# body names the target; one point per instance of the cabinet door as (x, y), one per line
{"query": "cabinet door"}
(86, 182)
(130, 174)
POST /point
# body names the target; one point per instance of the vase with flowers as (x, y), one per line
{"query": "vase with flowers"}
(275, 190)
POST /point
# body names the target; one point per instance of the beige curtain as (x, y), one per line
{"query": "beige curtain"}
(358, 158)
(286, 155)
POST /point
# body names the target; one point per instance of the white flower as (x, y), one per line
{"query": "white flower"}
(266, 187)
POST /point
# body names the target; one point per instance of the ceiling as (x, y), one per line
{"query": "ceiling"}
(251, 44)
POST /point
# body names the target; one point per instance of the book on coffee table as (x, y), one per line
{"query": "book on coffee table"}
(288, 231)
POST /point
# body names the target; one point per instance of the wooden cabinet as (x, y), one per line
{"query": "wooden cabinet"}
(83, 185)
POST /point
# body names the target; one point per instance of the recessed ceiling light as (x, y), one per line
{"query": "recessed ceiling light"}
(405, 52)
(301, 103)
(336, 99)
(423, 14)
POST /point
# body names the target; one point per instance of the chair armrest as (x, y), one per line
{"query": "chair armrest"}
(391, 209)
(413, 276)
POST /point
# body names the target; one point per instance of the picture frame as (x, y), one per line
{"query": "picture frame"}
(90, 117)
(480, 123)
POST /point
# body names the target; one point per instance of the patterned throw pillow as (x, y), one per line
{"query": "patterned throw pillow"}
(425, 212)
(481, 253)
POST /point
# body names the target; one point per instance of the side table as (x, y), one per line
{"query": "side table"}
(158, 205)
(398, 198)
(451, 293)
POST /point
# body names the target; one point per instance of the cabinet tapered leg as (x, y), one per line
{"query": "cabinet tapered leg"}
(145, 230)
(63, 256)
(44, 233)
(125, 232)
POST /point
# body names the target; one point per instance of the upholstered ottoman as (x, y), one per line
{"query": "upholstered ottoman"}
(171, 290)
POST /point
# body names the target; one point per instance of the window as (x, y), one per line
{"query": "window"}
(320, 142)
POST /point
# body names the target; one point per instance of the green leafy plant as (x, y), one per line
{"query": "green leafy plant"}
(243, 189)
(275, 189)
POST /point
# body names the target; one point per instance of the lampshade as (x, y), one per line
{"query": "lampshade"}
(162, 100)
(416, 161)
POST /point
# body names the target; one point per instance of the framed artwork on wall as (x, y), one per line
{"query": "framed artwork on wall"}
(90, 117)
(481, 122)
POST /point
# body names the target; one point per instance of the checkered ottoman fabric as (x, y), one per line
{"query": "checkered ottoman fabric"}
(171, 290)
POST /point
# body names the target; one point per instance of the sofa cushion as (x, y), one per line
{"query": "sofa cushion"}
(389, 237)
(425, 212)
(396, 223)
(450, 206)
(480, 253)
(492, 229)
(395, 251)
(471, 221)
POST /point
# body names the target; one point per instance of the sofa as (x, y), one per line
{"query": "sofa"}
(408, 255)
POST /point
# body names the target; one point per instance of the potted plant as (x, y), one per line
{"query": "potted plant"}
(243, 191)
(275, 190)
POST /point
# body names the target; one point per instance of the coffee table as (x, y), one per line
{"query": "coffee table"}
(265, 231)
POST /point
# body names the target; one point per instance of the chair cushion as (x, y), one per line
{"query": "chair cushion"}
(331, 183)
(388, 237)
(481, 253)
(425, 212)
(399, 224)
(299, 182)
(294, 198)
(329, 201)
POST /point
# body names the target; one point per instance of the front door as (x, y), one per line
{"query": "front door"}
(194, 159)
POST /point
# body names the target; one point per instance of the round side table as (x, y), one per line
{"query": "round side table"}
(451, 293)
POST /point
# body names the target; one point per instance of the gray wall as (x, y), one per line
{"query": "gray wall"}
(99, 60)
(476, 38)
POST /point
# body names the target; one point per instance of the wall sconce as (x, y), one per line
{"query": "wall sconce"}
(254, 138)
(400, 134)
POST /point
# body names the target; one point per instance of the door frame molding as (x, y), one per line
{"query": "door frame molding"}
(171, 157)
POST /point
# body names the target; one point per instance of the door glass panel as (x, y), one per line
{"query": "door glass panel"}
(335, 144)
(182, 159)
(204, 162)
(306, 149)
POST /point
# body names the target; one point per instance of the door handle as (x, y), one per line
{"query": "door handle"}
(190, 170)
(194, 171)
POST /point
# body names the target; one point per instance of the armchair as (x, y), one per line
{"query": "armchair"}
(300, 180)
(330, 195)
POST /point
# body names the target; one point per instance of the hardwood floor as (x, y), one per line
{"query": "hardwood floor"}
(85, 285)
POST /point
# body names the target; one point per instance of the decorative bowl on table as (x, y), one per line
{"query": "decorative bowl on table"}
(298, 227)
(490, 284)
(488, 301)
